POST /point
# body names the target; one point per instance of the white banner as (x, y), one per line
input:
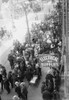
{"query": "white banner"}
(49, 60)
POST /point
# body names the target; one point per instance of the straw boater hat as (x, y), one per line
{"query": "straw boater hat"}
(50, 72)
(16, 66)
(17, 83)
(37, 65)
(15, 97)
(22, 84)
(27, 62)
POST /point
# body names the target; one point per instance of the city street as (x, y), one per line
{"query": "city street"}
(34, 92)
(38, 27)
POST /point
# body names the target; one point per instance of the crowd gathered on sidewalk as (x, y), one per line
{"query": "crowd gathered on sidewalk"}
(25, 66)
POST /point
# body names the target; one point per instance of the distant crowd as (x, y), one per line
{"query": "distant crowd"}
(24, 67)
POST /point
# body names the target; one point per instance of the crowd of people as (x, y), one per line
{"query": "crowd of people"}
(51, 86)
(24, 66)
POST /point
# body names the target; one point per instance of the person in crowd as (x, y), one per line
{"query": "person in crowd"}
(22, 69)
(49, 80)
(10, 78)
(29, 73)
(11, 59)
(16, 72)
(24, 90)
(57, 79)
(18, 89)
(6, 84)
(14, 77)
(46, 95)
(51, 84)
(1, 79)
(2, 74)
(0, 98)
(38, 71)
(19, 74)
(15, 97)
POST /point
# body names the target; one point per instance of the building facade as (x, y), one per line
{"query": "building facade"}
(66, 44)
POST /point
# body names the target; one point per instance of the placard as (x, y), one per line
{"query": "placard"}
(49, 60)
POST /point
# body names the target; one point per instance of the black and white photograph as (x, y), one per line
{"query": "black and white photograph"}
(34, 49)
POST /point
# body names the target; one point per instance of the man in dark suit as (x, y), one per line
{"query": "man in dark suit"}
(24, 90)
(18, 89)
(10, 78)
(1, 81)
(11, 59)
(46, 95)
(6, 84)
(49, 81)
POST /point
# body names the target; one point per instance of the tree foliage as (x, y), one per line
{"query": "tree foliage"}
(56, 20)
(20, 7)
(35, 6)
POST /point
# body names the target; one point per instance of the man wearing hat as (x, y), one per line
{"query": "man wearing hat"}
(15, 97)
(6, 84)
(38, 71)
(24, 90)
(1, 81)
(57, 78)
(46, 95)
(11, 59)
(49, 80)
(17, 88)
(10, 78)
(29, 73)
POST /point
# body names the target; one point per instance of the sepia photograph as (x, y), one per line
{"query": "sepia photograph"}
(34, 50)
